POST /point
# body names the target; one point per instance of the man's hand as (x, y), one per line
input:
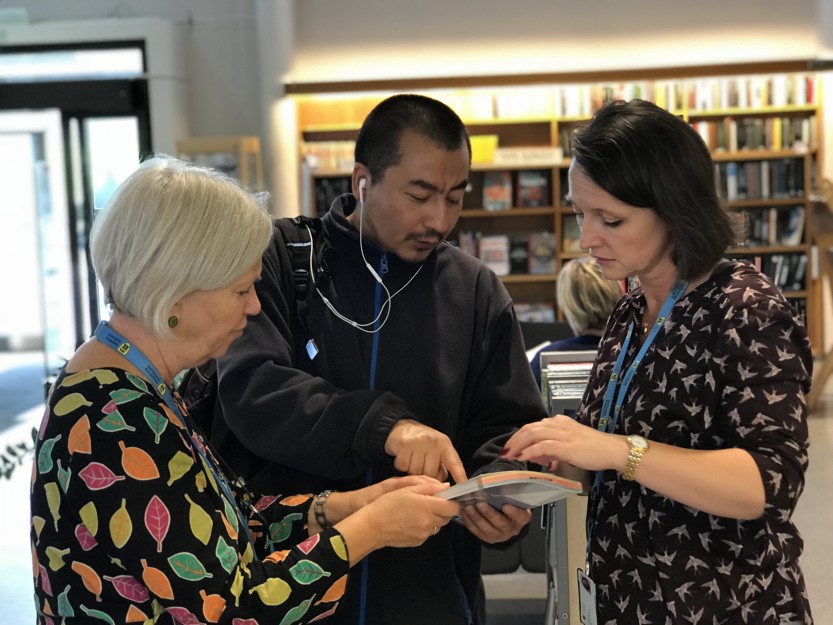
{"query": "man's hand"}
(494, 526)
(421, 450)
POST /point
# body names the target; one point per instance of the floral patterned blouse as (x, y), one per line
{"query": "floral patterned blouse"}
(129, 524)
(729, 368)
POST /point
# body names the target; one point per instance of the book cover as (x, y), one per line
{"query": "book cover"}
(533, 188)
(497, 190)
(541, 253)
(523, 489)
(519, 254)
(493, 250)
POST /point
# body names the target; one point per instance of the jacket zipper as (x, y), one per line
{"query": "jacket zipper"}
(383, 269)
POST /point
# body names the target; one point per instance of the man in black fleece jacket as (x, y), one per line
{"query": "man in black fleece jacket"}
(408, 359)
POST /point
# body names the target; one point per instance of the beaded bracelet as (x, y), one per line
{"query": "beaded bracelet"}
(318, 509)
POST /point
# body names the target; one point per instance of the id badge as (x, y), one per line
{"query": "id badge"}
(586, 599)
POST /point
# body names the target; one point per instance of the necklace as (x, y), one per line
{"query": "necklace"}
(645, 328)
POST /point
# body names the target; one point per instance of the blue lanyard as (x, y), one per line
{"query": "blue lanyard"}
(608, 424)
(109, 337)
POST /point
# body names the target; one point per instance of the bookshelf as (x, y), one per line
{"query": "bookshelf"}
(237, 156)
(762, 123)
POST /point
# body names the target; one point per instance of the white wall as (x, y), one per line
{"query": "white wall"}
(219, 49)
(364, 39)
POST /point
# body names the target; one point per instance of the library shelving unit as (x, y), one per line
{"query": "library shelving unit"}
(761, 121)
(237, 156)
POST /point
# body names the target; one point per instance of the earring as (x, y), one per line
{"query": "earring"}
(173, 320)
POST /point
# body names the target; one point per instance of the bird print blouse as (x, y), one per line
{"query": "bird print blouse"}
(130, 524)
(729, 369)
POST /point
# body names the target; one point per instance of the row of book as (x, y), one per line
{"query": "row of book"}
(526, 188)
(760, 180)
(583, 100)
(532, 253)
(756, 133)
(782, 225)
(787, 271)
(757, 91)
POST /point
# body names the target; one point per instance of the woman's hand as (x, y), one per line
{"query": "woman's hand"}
(404, 517)
(408, 516)
(340, 505)
(561, 438)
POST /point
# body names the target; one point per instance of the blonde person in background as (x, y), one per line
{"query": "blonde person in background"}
(587, 299)
(134, 516)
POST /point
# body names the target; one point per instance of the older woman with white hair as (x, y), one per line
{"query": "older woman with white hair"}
(134, 516)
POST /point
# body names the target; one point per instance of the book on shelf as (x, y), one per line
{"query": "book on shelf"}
(522, 489)
(541, 253)
(497, 190)
(519, 254)
(533, 188)
(493, 251)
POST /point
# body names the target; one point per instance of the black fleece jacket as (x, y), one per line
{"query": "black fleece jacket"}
(450, 356)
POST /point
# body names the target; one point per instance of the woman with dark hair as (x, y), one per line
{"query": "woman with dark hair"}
(693, 424)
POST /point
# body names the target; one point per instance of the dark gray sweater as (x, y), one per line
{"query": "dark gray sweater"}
(450, 356)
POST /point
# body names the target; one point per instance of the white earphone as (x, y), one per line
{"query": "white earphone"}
(384, 309)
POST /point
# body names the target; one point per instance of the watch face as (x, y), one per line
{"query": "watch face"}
(638, 441)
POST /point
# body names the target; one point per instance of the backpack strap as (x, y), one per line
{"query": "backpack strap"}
(301, 235)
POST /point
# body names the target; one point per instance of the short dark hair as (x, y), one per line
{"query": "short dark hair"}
(380, 137)
(647, 157)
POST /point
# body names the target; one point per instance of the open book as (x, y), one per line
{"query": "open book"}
(523, 489)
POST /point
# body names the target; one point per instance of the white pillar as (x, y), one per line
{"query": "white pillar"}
(276, 46)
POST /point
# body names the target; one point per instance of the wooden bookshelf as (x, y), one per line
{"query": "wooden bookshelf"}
(761, 121)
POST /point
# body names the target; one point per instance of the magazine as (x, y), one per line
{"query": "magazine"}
(523, 489)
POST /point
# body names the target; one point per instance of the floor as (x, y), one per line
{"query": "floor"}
(20, 411)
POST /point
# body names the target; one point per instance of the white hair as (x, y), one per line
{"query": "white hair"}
(172, 228)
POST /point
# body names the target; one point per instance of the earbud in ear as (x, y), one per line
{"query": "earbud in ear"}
(362, 183)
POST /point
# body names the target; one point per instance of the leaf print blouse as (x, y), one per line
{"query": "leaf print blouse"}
(129, 524)
(729, 368)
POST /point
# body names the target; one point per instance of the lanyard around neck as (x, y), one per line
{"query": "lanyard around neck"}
(608, 423)
(109, 337)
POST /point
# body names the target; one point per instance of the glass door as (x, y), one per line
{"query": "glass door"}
(37, 279)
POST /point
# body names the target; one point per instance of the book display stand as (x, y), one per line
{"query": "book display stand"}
(564, 377)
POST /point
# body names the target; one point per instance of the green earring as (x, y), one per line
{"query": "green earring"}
(173, 320)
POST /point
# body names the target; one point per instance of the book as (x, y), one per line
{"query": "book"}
(493, 250)
(533, 188)
(519, 254)
(497, 190)
(541, 253)
(523, 489)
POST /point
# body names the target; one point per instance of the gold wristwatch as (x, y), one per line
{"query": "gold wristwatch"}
(638, 446)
